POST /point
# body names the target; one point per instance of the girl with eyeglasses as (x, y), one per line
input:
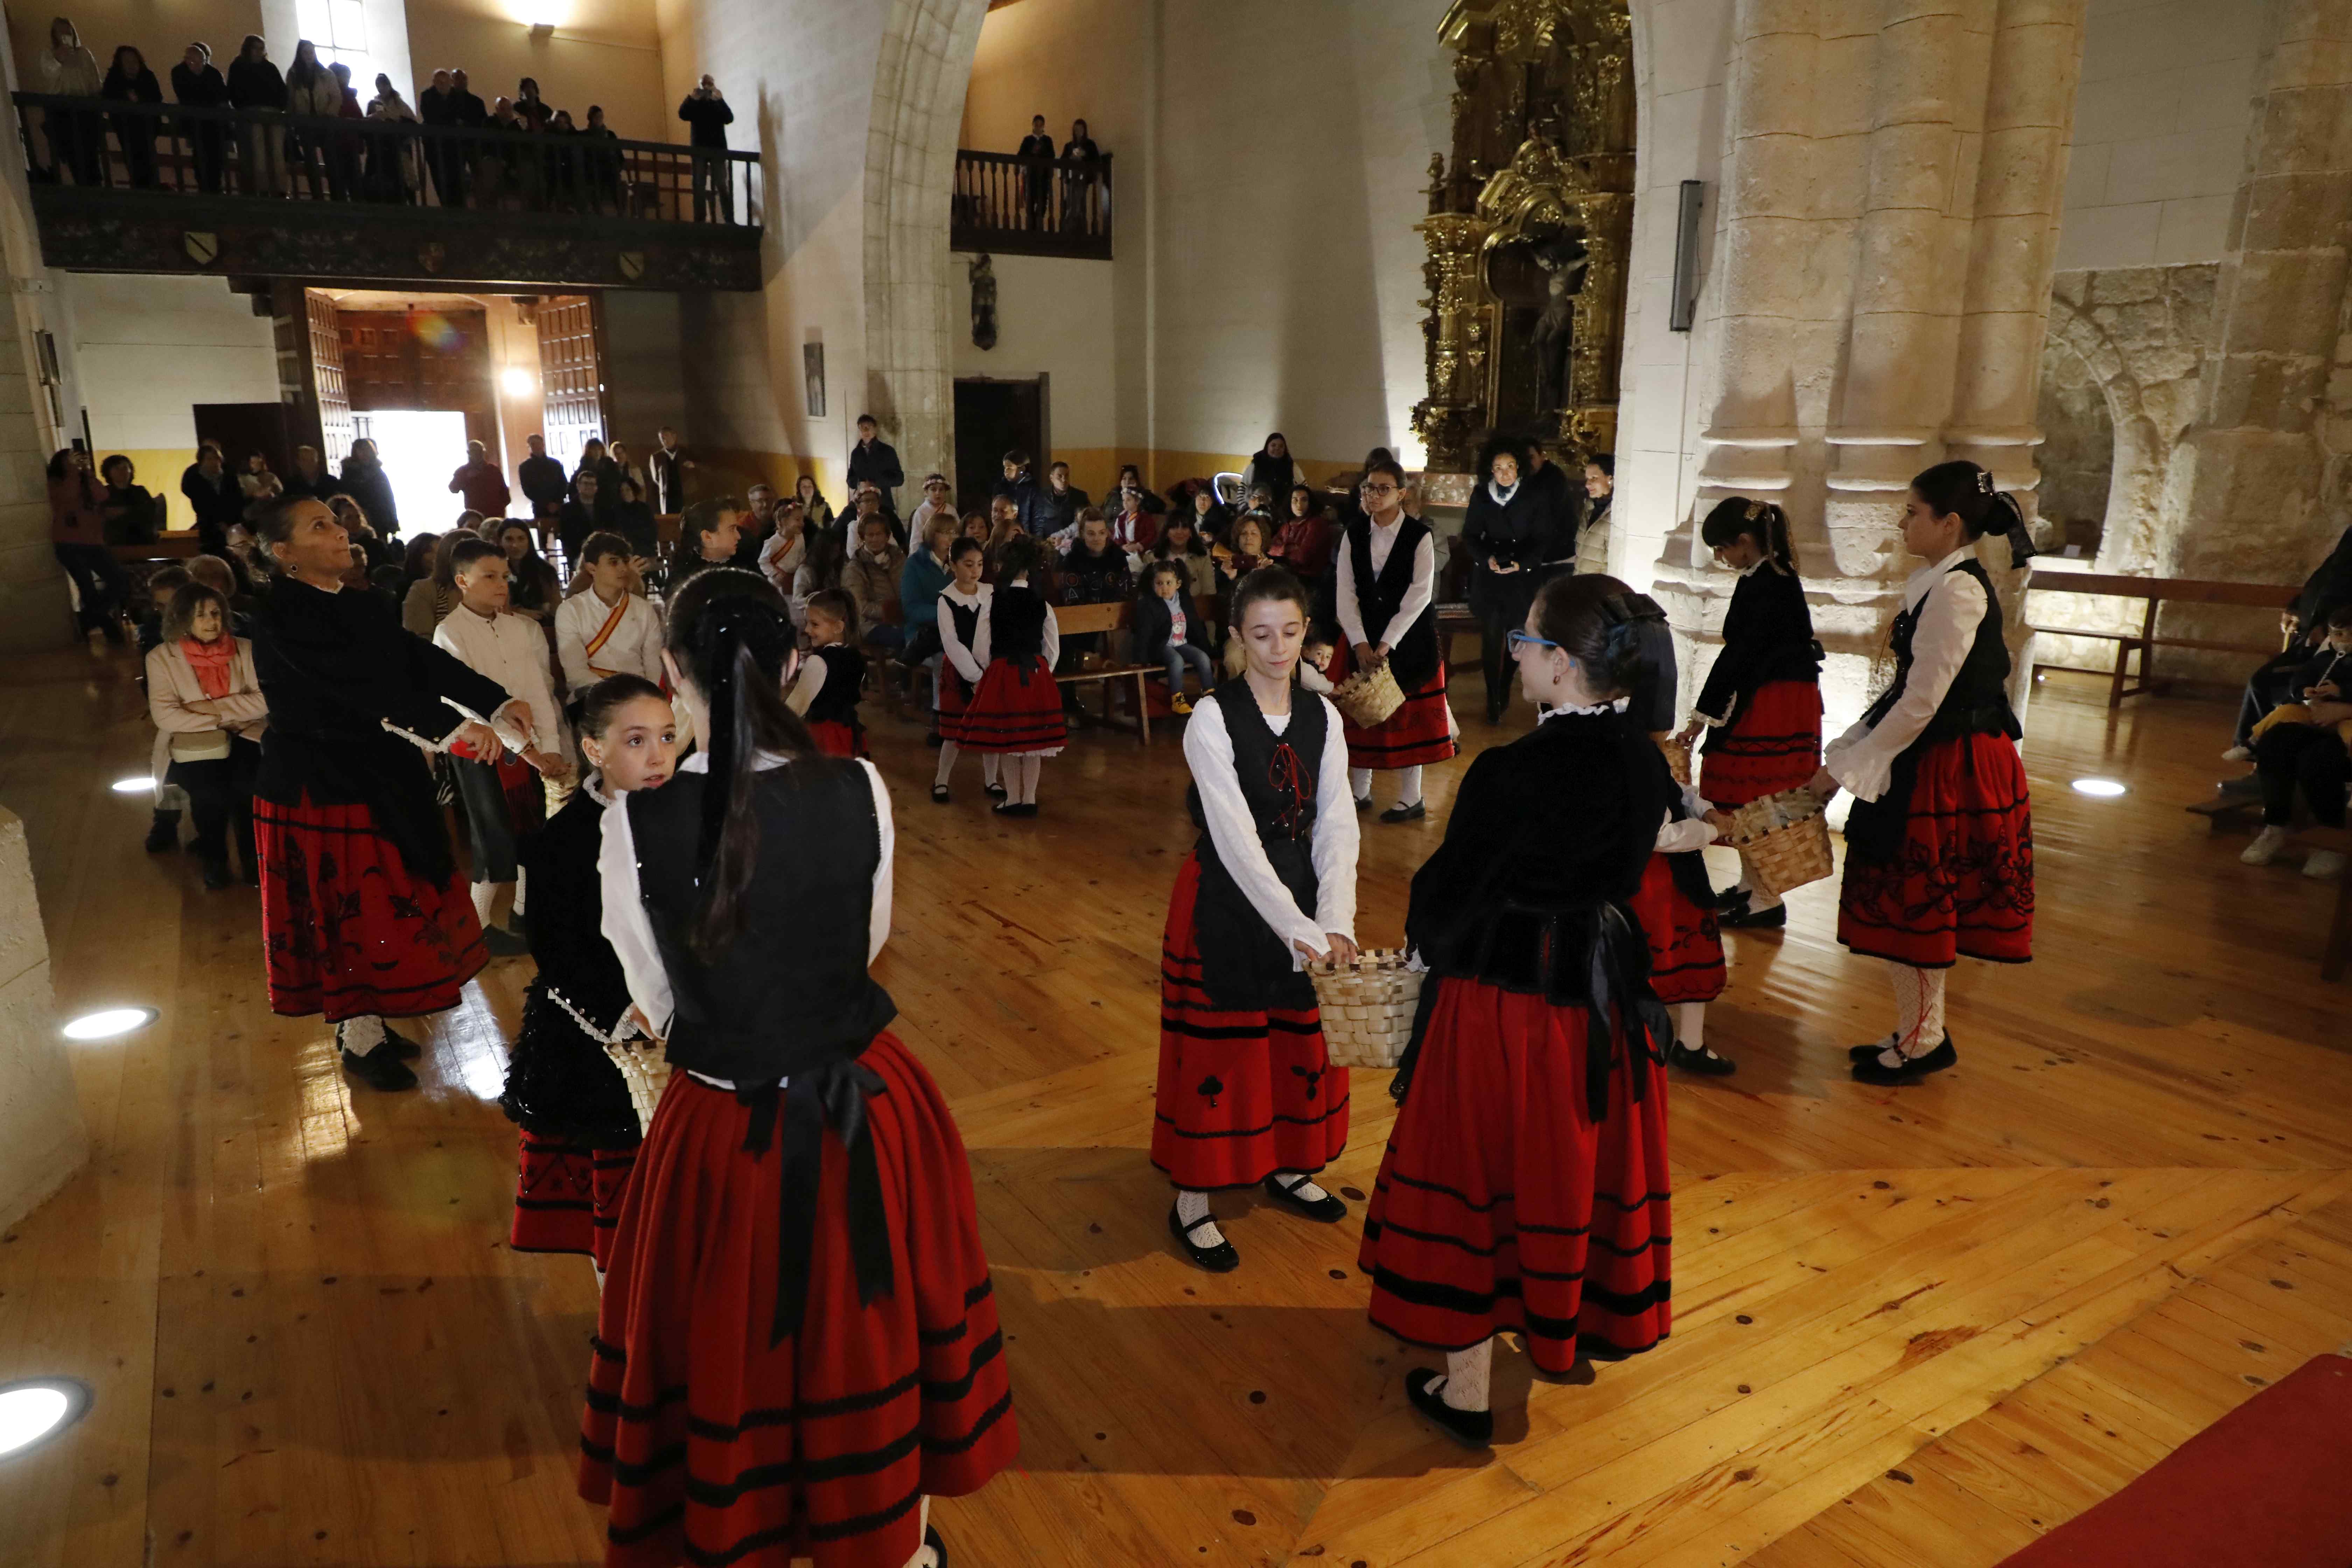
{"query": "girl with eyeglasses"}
(1386, 594)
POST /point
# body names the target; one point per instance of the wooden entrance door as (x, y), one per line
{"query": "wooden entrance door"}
(571, 374)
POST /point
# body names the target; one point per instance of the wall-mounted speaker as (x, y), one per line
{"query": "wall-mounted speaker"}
(1684, 307)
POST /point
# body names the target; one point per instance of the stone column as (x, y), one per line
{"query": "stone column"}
(35, 607)
(41, 1138)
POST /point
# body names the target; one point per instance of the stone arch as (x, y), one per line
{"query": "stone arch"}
(2135, 486)
(919, 80)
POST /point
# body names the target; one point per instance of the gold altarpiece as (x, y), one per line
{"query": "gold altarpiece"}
(1530, 222)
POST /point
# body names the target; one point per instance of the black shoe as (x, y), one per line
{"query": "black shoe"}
(215, 875)
(1004, 807)
(1329, 1209)
(1219, 1259)
(992, 791)
(1471, 1428)
(164, 833)
(1749, 917)
(518, 924)
(1730, 899)
(380, 1069)
(1864, 1053)
(939, 1548)
(1872, 1070)
(503, 943)
(401, 1045)
(1704, 1061)
(1363, 802)
(1026, 808)
(251, 875)
(940, 796)
(1412, 812)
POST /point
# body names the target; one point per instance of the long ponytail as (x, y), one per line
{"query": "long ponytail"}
(1761, 520)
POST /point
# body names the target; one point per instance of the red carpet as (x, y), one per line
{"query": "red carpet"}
(2267, 1486)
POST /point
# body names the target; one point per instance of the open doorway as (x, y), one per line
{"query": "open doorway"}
(993, 417)
(421, 448)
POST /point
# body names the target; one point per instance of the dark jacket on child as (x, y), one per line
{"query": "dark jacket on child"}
(1153, 625)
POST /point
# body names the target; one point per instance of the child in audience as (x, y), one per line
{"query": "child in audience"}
(1016, 709)
(1761, 706)
(607, 628)
(1169, 629)
(1180, 544)
(209, 715)
(825, 692)
(503, 800)
(577, 1127)
(171, 800)
(963, 609)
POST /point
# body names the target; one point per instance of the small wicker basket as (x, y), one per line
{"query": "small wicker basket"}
(1367, 1007)
(1679, 758)
(644, 1068)
(1784, 839)
(1368, 697)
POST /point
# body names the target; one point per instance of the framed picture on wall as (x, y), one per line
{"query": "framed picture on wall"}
(812, 363)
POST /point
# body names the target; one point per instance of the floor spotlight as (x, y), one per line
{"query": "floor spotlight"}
(2106, 789)
(35, 1410)
(108, 1023)
(136, 784)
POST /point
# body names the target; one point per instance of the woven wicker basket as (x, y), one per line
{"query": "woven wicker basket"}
(1367, 1007)
(644, 1068)
(1368, 697)
(1678, 759)
(1784, 838)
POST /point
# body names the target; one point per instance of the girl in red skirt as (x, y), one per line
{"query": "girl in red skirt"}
(362, 909)
(1248, 1093)
(1016, 709)
(1525, 1185)
(1386, 599)
(963, 611)
(578, 1130)
(833, 676)
(798, 1344)
(1939, 841)
(1676, 909)
(1761, 706)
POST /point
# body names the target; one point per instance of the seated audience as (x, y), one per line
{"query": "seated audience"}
(214, 495)
(706, 539)
(431, 598)
(533, 588)
(208, 712)
(787, 546)
(1170, 632)
(130, 514)
(2306, 743)
(871, 577)
(607, 627)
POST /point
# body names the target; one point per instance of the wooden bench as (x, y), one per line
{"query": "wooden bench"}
(1455, 621)
(1078, 620)
(2155, 591)
(164, 547)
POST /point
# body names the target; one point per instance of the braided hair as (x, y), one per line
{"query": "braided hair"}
(731, 636)
(1966, 490)
(1761, 520)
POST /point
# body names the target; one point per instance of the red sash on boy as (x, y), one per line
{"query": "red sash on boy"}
(604, 634)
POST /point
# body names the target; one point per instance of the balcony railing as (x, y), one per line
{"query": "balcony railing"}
(1032, 207)
(257, 190)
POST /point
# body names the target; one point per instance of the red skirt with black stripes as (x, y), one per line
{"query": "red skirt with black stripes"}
(1018, 709)
(835, 739)
(1773, 743)
(1419, 732)
(1685, 948)
(1241, 1095)
(711, 1445)
(568, 1196)
(347, 929)
(1502, 1205)
(1961, 882)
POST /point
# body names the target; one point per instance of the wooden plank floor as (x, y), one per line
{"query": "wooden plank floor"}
(1914, 1329)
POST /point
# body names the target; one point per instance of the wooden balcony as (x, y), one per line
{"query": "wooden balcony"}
(1032, 207)
(158, 188)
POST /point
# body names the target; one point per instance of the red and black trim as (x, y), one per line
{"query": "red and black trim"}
(1419, 732)
(568, 1196)
(1773, 743)
(1685, 947)
(1018, 707)
(1960, 882)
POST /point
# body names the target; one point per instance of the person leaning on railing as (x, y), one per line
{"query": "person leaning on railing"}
(393, 171)
(127, 81)
(254, 83)
(197, 83)
(77, 141)
(706, 111)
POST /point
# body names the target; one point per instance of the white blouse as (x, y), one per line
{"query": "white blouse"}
(631, 932)
(1862, 759)
(1209, 750)
(1417, 597)
(969, 662)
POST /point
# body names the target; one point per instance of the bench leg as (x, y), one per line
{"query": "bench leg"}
(1143, 713)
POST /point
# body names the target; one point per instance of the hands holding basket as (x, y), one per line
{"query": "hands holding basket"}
(1342, 950)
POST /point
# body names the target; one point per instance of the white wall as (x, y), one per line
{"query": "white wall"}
(1055, 318)
(2160, 125)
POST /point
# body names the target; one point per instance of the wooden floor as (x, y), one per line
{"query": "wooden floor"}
(1913, 1328)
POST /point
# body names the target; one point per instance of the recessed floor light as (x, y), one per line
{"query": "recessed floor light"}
(2106, 789)
(108, 1023)
(33, 1412)
(138, 784)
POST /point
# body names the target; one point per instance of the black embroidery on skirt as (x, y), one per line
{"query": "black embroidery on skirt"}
(1212, 1087)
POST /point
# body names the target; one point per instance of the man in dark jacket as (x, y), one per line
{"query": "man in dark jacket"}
(704, 111)
(666, 471)
(876, 462)
(542, 478)
(437, 106)
(479, 481)
(1038, 176)
(213, 493)
(1560, 508)
(365, 482)
(198, 83)
(310, 477)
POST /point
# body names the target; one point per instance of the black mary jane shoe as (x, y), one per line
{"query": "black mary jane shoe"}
(1329, 1209)
(940, 796)
(939, 1548)
(1412, 812)
(1871, 1070)
(503, 943)
(1471, 1428)
(381, 1069)
(1219, 1259)
(401, 1045)
(1730, 900)
(1704, 1061)
(1363, 802)
(1746, 917)
(993, 792)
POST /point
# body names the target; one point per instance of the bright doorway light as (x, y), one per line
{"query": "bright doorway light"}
(518, 381)
(108, 1023)
(138, 784)
(32, 1412)
(2106, 789)
(421, 448)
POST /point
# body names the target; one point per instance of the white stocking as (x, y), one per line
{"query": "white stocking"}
(1468, 1375)
(1359, 782)
(521, 886)
(924, 1556)
(1192, 1207)
(990, 764)
(486, 898)
(1758, 899)
(1919, 1014)
(1690, 1024)
(947, 753)
(1025, 770)
(363, 1035)
(1408, 786)
(1298, 1185)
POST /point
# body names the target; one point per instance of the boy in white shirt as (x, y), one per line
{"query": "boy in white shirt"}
(609, 628)
(502, 799)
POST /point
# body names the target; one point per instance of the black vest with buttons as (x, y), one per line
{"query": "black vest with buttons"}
(1245, 966)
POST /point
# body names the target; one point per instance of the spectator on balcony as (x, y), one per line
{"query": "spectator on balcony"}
(1078, 215)
(876, 462)
(365, 482)
(214, 496)
(254, 84)
(393, 172)
(563, 164)
(668, 469)
(479, 481)
(530, 108)
(437, 107)
(468, 112)
(343, 148)
(310, 477)
(600, 166)
(501, 178)
(1036, 176)
(543, 484)
(197, 83)
(127, 81)
(704, 111)
(77, 140)
(311, 92)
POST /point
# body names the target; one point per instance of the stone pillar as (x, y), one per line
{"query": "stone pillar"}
(34, 608)
(41, 1138)
(2270, 460)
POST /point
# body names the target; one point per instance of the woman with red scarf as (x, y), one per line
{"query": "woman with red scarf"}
(209, 713)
